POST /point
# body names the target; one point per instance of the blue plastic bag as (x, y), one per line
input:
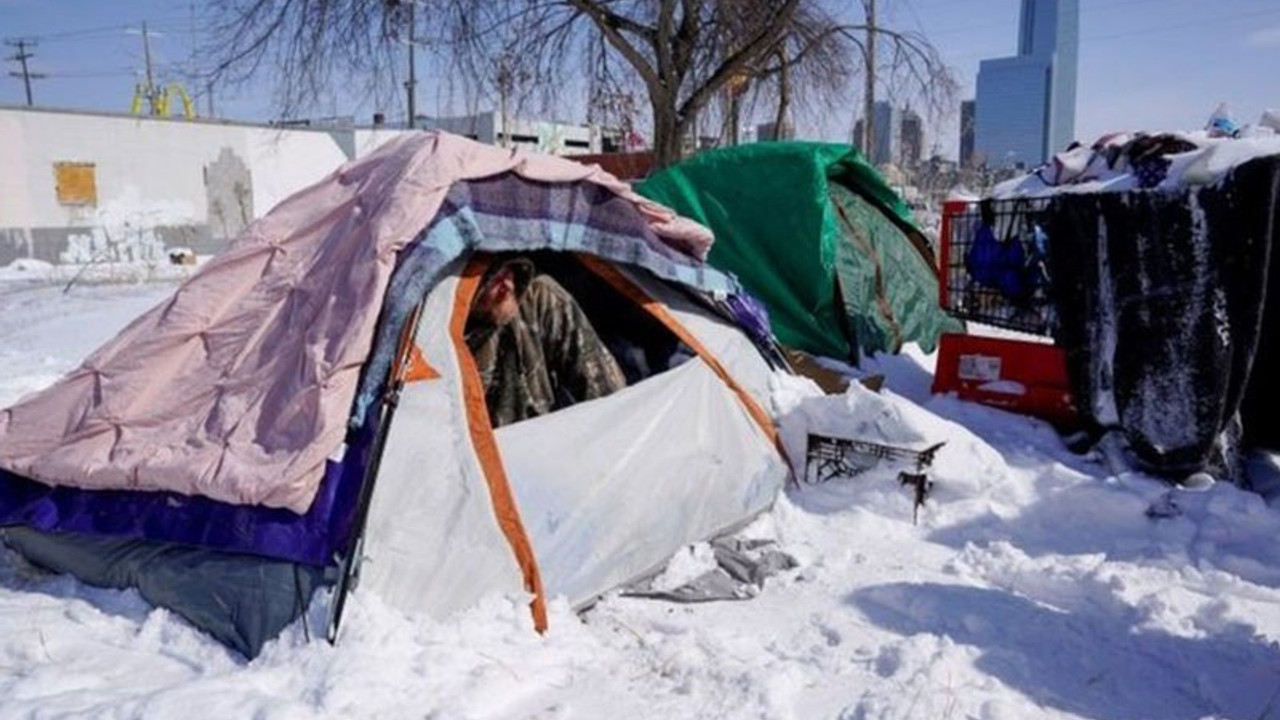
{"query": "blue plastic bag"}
(1000, 265)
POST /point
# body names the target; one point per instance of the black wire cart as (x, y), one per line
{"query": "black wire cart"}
(828, 458)
(995, 272)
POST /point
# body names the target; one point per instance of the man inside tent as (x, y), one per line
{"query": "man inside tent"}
(533, 345)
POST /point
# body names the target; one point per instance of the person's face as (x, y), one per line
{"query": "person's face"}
(496, 301)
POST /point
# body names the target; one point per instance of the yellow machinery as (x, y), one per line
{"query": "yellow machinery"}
(161, 100)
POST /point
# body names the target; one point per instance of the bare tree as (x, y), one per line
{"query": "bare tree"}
(912, 71)
(681, 55)
(816, 52)
(817, 59)
(309, 46)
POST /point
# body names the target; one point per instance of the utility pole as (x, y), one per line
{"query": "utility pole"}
(869, 101)
(194, 76)
(507, 77)
(22, 56)
(151, 88)
(411, 85)
(735, 115)
(504, 88)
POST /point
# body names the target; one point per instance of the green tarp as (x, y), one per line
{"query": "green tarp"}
(813, 231)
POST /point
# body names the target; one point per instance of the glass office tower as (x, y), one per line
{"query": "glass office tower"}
(1026, 104)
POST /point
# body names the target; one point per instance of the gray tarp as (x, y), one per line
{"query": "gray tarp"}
(742, 566)
(241, 600)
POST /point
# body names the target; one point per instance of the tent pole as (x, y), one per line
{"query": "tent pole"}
(349, 568)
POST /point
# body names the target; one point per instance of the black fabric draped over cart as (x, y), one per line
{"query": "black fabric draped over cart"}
(1166, 317)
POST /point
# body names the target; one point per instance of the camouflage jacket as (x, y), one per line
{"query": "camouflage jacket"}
(547, 358)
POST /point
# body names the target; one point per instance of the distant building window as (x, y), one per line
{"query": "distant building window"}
(75, 183)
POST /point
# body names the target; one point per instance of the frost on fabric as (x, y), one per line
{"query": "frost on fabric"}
(1163, 406)
(1104, 336)
(1161, 296)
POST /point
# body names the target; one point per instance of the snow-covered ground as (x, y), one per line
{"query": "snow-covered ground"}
(1035, 585)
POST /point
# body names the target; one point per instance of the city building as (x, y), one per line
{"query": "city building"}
(1025, 105)
(966, 133)
(553, 138)
(910, 138)
(769, 131)
(887, 130)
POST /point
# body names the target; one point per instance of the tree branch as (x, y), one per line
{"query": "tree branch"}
(765, 37)
(610, 26)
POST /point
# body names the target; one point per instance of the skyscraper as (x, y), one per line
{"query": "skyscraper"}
(966, 133)
(769, 131)
(1026, 104)
(888, 127)
(910, 138)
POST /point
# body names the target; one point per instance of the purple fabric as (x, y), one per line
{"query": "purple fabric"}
(751, 316)
(311, 539)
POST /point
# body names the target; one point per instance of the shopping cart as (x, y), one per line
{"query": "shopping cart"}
(996, 274)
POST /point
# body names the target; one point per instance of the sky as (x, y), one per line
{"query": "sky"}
(1144, 64)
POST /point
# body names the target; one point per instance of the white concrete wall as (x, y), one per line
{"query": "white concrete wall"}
(369, 139)
(160, 182)
(285, 161)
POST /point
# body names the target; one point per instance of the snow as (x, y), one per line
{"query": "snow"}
(1209, 163)
(26, 271)
(1004, 387)
(126, 229)
(685, 566)
(1036, 584)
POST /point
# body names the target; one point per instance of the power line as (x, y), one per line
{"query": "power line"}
(119, 72)
(79, 34)
(166, 22)
(969, 27)
(1084, 39)
(1182, 26)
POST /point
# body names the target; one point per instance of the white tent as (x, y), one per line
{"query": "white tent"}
(323, 409)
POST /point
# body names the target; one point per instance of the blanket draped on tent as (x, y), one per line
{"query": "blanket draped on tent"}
(240, 386)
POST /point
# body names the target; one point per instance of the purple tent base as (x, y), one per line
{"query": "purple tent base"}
(314, 538)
